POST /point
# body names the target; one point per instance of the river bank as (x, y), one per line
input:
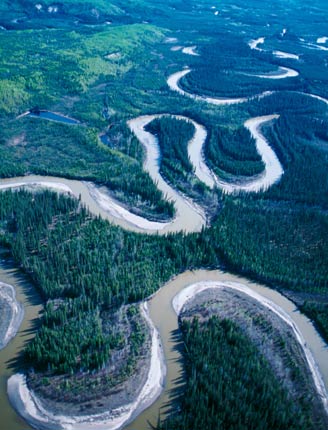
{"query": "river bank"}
(41, 415)
(189, 293)
(12, 314)
(10, 356)
(190, 50)
(275, 339)
(195, 146)
(101, 203)
(281, 73)
(271, 174)
(32, 408)
(189, 216)
(117, 210)
(165, 318)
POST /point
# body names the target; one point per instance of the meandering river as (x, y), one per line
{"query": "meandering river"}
(165, 319)
(189, 217)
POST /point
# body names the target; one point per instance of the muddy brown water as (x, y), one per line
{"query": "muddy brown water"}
(162, 314)
(27, 295)
(189, 217)
(165, 319)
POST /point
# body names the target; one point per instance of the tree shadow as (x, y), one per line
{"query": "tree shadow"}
(178, 383)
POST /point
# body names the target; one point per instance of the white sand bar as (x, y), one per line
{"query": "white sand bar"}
(170, 40)
(315, 47)
(253, 44)
(282, 54)
(109, 207)
(322, 48)
(271, 174)
(173, 83)
(189, 292)
(176, 48)
(196, 155)
(100, 202)
(314, 96)
(8, 295)
(189, 216)
(33, 185)
(282, 73)
(190, 50)
(108, 204)
(30, 408)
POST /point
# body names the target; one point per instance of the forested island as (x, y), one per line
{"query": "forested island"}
(73, 78)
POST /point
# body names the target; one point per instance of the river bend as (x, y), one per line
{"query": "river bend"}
(189, 217)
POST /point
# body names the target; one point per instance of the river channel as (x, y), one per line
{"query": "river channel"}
(160, 305)
(27, 295)
(165, 319)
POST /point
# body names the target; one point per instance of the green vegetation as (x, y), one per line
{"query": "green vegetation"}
(276, 244)
(89, 266)
(71, 61)
(232, 152)
(49, 148)
(173, 137)
(112, 343)
(46, 67)
(236, 71)
(71, 339)
(32, 146)
(69, 254)
(232, 385)
(31, 14)
(300, 145)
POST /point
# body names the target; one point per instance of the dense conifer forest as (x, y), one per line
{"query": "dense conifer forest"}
(232, 152)
(71, 255)
(105, 63)
(72, 152)
(173, 137)
(227, 380)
